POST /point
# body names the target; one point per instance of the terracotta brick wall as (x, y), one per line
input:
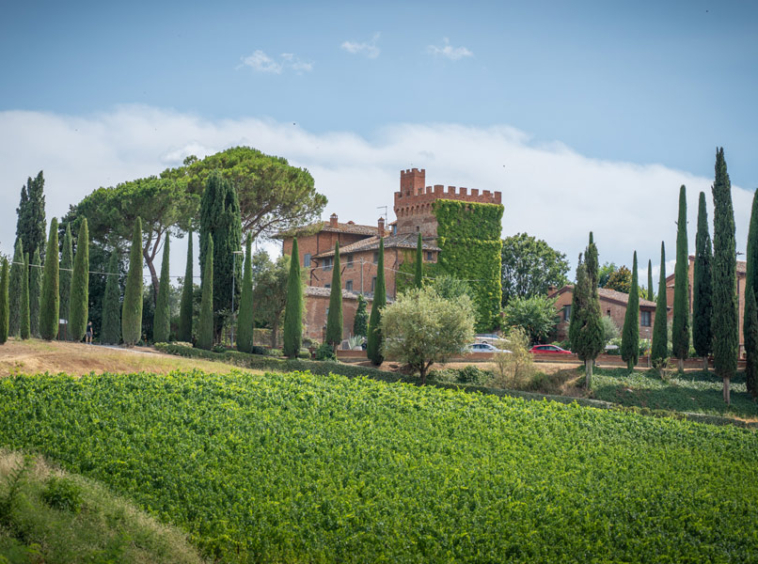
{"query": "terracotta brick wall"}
(316, 312)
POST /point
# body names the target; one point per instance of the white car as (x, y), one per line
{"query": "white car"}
(483, 347)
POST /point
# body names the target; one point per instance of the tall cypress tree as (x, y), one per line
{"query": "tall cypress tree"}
(31, 224)
(724, 325)
(751, 342)
(162, 320)
(334, 319)
(66, 275)
(630, 338)
(590, 334)
(374, 344)
(4, 276)
(245, 319)
(702, 304)
(418, 279)
(15, 289)
(205, 323)
(25, 322)
(131, 310)
(293, 310)
(578, 301)
(35, 293)
(185, 307)
(110, 332)
(79, 298)
(650, 292)
(49, 308)
(680, 330)
(751, 281)
(360, 323)
(659, 349)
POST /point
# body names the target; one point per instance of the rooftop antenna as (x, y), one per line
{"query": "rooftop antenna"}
(384, 215)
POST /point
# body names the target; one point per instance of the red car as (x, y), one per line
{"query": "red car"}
(548, 349)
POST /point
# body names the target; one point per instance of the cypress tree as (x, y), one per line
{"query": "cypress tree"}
(65, 277)
(751, 281)
(374, 344)
(360, 323)
(578, 301)
(111, 329)
(680, 330)
(650, 293)
(751, 342)
(293, 311)
(185, 307)
(15, 289)
(35, 292)
(418, 279)
(590, 337)
(131, 310)
(630, 338)
(593, 265)
(30, 227)
(334, 319)
(4, 276)
(79, 298)
(725, 320)
(162, 320)
(49, 308)
(659, 349)
(205, 323)
(245, 319)
(25, 328)
(702, 306)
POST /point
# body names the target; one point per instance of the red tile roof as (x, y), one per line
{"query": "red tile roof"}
(606, 294)
(407, 241)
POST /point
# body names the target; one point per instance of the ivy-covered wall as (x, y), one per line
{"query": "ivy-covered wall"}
(469, 236)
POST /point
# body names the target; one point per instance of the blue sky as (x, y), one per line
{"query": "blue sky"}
(643, 84)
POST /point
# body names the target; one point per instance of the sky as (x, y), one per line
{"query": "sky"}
(585, 115)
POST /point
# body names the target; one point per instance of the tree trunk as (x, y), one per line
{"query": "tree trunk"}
(727, 397)
(630, 364)
(705, 364)
(274, 329)
(422, 371)
(588, 371)
(680, 364)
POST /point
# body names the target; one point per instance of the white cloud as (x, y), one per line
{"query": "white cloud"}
(447, 50)
(549, 190)
(368, 48)
(261, 62)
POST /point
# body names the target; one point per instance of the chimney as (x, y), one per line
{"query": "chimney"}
(333, 220)
(381, 227)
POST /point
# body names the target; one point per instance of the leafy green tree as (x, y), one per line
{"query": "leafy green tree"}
(630, 337)
(751, 342)
(725, 320)
(620, 280)
(605, 272)
(293, 311)
(536, 316)
(35, 293)
(220, 219)
(374, 340)
(185, 307)
(360, 323)
(111, 325)
(334, 319)
(205, 328)
(650, 292)
(418, 270)
(530, 266)
(245, 319)
(79, 299)
(25, 321)
(15, 289)
(659, 348)
(680, 332)
(131, 311)
(449, 287)
(31, 224)
(66, 275)
(50, 302)
(426, 328)
(702, 299)
(4, 313)
(589, 333)
(270, 291)
(162, 319)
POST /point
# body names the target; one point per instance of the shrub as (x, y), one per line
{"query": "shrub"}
(473, 375)
(63, 494)
(325, 351)
(514, 368)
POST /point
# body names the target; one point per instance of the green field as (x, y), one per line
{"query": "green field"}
(301, 468)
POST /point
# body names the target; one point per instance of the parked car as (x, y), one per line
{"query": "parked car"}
(483, 347)
(548, 349)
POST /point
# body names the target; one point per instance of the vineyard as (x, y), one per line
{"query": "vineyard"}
(303, 468)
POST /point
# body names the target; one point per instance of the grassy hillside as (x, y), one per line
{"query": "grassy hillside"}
(293, 468)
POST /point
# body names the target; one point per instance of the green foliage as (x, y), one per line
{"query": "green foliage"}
(25, 321)
(15, 289)
(30, 226)
(680, 333)
(418, 265)
(579, 299)
(751, 342)
(334, 317)
(360, 322)
(588, 338)
(205, 323)
(111, 326)
(421, 328)
(185, 307)
(293, 311)
(50, 302)
(325, 351)
(514, 368)
(245, 319)
(724, 324)
(35, 292)
(659, 350)
(530, 266)
(131, 312)
(702, 299)
(537, 316)
(63, 494)
(79, 298)
(650, 292)
(270, 291)
(620, 280)
(605, 272)
(469, 236)
(630, 337)
(374, 349)
(66, 274)
(610, 329)
(451, 288)
(162, 319)
(4, 313)
(591, 260)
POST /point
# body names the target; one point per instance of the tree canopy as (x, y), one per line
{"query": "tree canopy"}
(537, 316)
(270, 291)
(31, 224)
(620, 280)
(530, 266)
